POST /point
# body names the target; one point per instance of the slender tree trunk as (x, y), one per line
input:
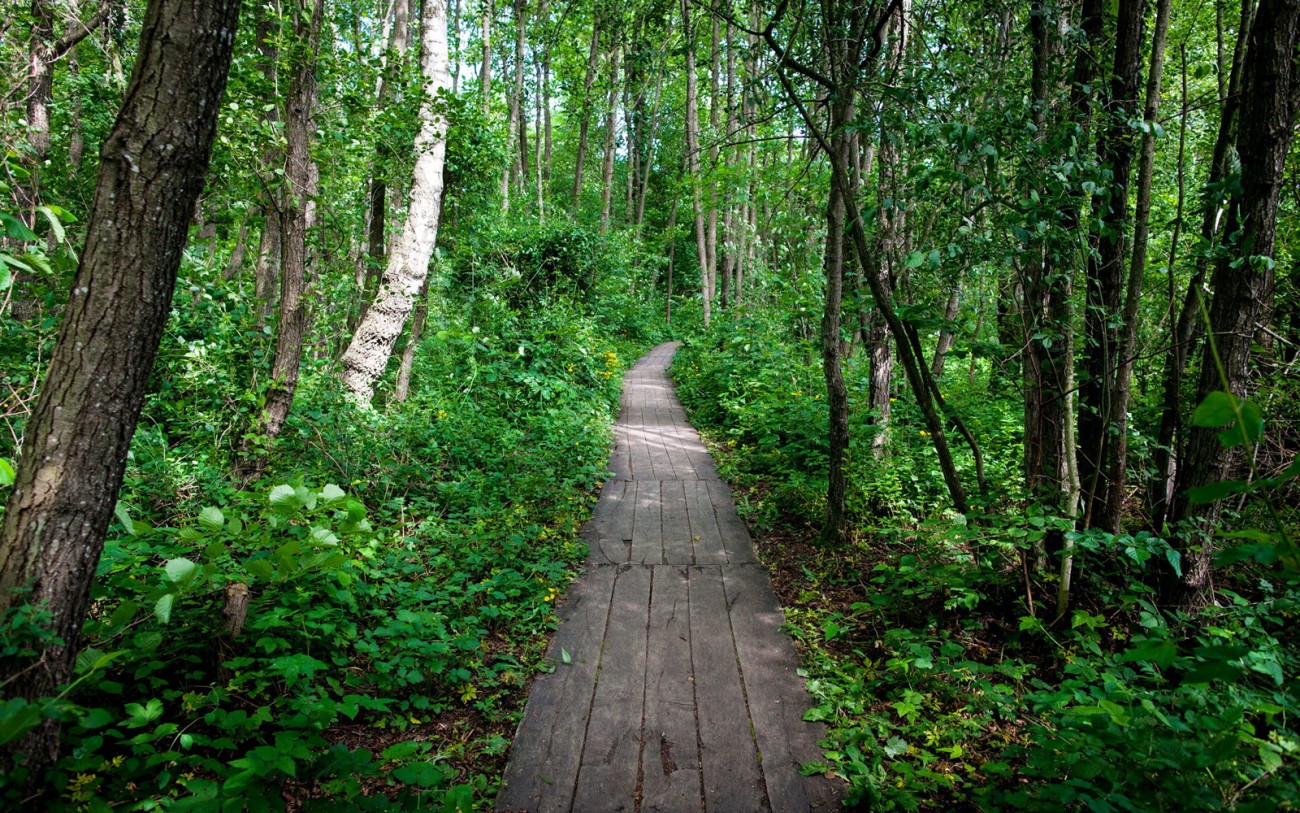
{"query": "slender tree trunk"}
(946, 336)
(236, 263)
(151, 172)
(611, 142)
(295, 214)
(377, 239)
(1105, 268)
(519, 102)
(584, 115)
(408, 264)
(1117, 461)
(403, 387)
(711, 236)
(693, 161)
(1187, 329)
(485, 68)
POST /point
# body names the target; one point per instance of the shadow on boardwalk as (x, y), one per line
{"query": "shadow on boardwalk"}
(674, 687)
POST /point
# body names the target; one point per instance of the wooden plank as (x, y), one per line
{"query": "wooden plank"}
(728, 756)
(735, 536)
(678, 546)
(611, 753)
(704, 524)
(652, 432)
(620, 457)
(639, 450)
(776, 694)
(670, 757)
(647, 527)
(544, 759)
(604, 531)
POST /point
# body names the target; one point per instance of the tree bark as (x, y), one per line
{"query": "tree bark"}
(408, 264)
(1242, 283)
(1105, 270)
(584, 114)
(692, 127)
(74, 450)
(1111, 513)
(295, 213)
(611, 142)
(1187, 329)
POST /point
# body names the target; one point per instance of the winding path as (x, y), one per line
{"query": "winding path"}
(674, 687)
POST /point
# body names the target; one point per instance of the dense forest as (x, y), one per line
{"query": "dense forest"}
(313, 315)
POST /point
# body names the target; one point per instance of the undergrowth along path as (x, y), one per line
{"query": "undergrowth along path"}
(674, 687)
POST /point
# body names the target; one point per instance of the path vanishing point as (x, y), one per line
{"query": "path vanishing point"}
(674, 687)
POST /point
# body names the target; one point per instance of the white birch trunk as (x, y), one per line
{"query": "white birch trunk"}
(408, 262)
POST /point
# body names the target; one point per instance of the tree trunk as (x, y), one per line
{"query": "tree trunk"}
(295, 213)
(519, 102)
(485, 69)
(692, 127)
(946, 335)
(74, 451)
(1105, 269)
(1169, 435)
(1109, 518)
(584, 115)
(1242, 292)
(611, 142)
(236, 263)
(403, 387)
(408, 264)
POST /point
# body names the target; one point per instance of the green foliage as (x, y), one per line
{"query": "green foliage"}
(942, 681)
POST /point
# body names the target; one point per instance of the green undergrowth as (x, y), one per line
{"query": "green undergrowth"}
(358, 629)
(938, 669)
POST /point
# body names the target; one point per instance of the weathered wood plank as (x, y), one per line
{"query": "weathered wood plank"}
(678, 545)
(670, 758)
(776, 694)
(647, 527)
(735, 536)
(543, 769)
(607, 779)
(705, 534)
(728, 756)
(604, 531)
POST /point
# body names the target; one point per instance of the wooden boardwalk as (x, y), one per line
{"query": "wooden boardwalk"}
(674, 687)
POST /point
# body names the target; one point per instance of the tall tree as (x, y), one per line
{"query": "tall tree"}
(151, 172)
(408, 264)
(294, 211)
(1243, 279)
(1105, 271)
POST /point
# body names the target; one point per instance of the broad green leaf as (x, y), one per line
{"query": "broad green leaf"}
(1158, 650)
(565, 657)
(123, 615)
(331, 492)
(212, 519)
(180, 570)
(1217, 409)
(16, 229)
(162, 609)
(7, 473)
(324, 536)
(1216, 491)
(17, 717)
(123, 517)
(6, 277)
(56, 225)
(283, 496)
(260, 568)
(1247, 430)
